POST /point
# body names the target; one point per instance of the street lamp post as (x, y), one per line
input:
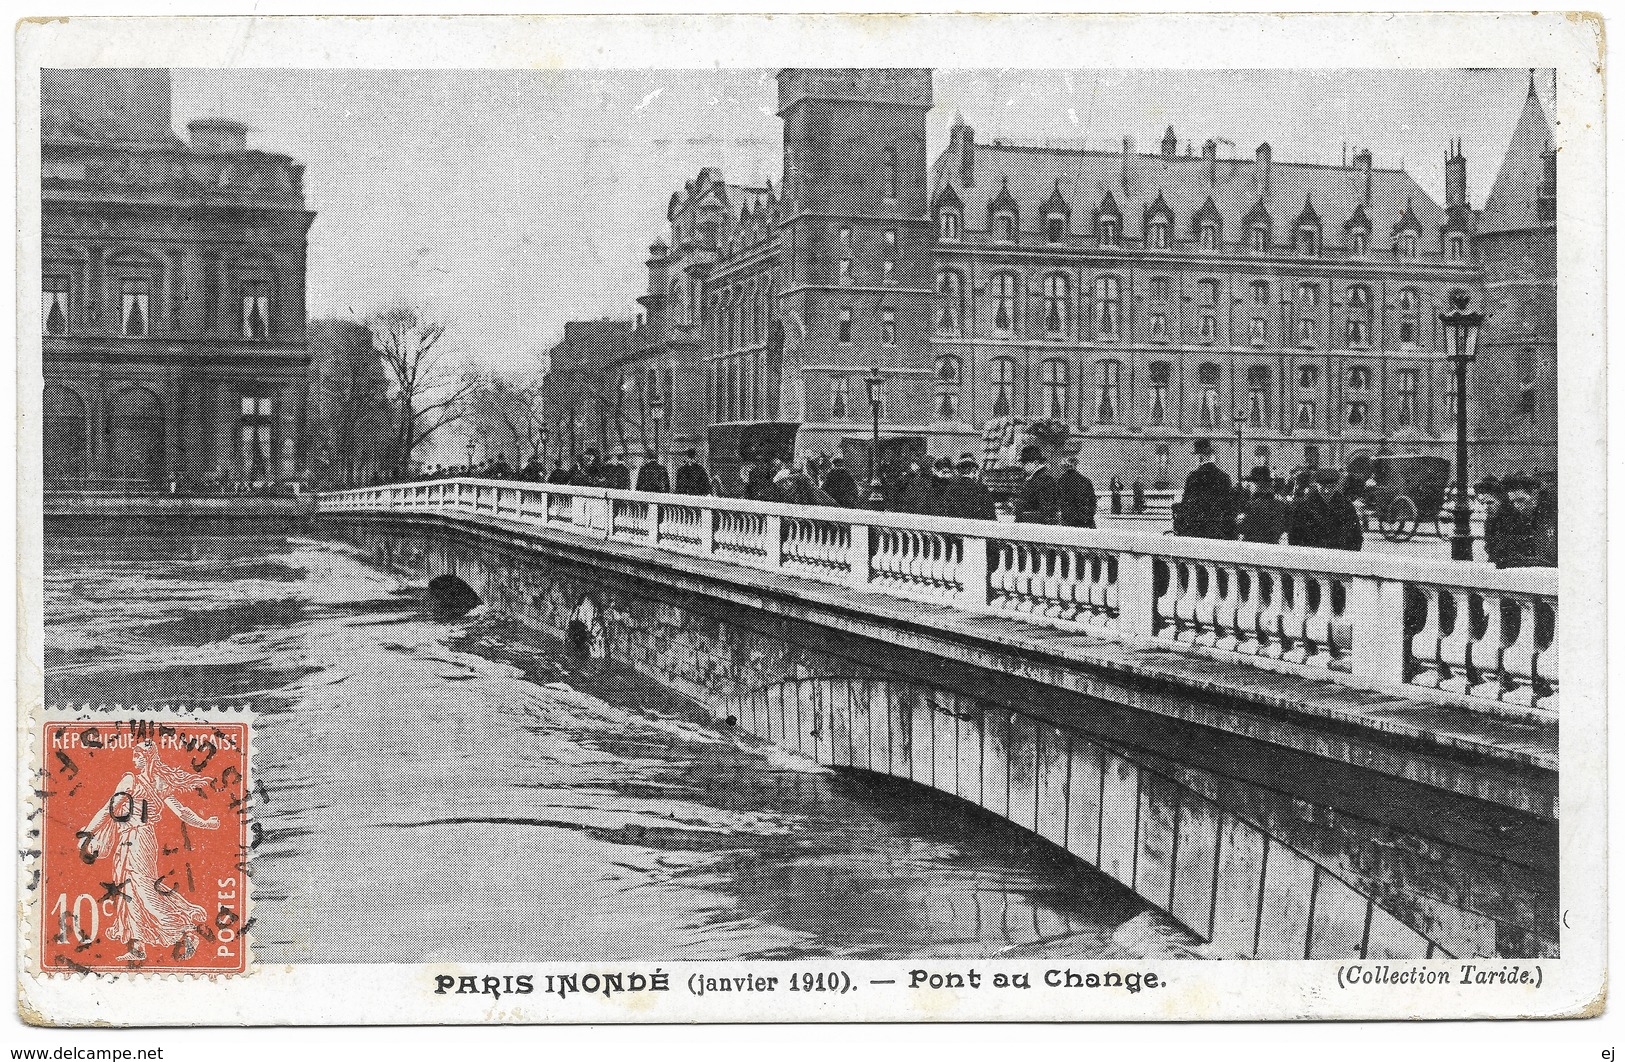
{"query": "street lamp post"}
(877, 393)
(470, 448)
(657, 413)
(1240, 419)
(1461, 347)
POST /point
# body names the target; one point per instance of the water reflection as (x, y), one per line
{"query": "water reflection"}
(468, 790)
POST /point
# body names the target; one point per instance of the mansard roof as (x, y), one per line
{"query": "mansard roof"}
(1029, 175)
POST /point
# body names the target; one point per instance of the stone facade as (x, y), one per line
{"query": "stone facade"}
(173, 295)
(1143, 299)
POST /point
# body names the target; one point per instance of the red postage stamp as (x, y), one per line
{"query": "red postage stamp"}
(143, 846)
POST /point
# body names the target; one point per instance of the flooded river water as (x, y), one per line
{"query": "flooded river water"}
(437, 789)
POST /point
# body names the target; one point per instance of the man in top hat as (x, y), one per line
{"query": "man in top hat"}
(1075, 495)
(1207, 506)
(692, 478)
(1036, 503)
(1265, 519)
(965, 496)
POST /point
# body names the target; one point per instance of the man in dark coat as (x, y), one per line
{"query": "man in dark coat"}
(1265, 519)
(692, 477)
(839, 484)
(616, 475)
(919, 493)
(1308, 520)
(1075, 496)
(588, 471)
(652, 475)
(1036, 503)
(759, 474)
(1207, 506)
(1522, 533)
(1343, 530)
(965, 497)
(560, 475)
(532, 472)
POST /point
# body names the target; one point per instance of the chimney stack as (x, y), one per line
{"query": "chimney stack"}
(1170, 144)
(1455, 176)
(1362, 162)
(1262, 158)
(1128, 153)
(967, 156)
(1210, 152)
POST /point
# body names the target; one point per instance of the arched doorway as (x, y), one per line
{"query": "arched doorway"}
(135, 435)
(67, 436)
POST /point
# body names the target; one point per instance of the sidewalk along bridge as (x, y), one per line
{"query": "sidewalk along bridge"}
(1296, 753)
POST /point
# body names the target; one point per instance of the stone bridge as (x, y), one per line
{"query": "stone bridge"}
(1295, 753)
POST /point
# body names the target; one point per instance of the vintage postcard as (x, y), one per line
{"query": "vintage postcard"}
(796, 518)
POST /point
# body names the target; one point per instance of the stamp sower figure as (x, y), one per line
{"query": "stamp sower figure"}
(146, 911)
(1207, 507)
(1037, 502)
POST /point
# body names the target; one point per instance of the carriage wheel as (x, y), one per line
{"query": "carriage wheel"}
(1399, 521)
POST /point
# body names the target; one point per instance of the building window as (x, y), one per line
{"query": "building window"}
(1160, 287)
(1258, 332)
(1458, 247)
(840, 397)
(1359, 378)
(1003, 385)
(1359, 296)
(1207, 396)
(1308, 377)
(1055, 384)
(134, 293)
(888, 272)
(845, 235)
(1207, 326)
(1306, 413)
(888, 327)
(1209, 234)
(1405, 415)
(1309, 294)
(1158, 234)
(890, 239)
(1157, 398)
(1258, 395)
(256, 417)
(948, 225)
(1308, 240)
(1357, 414)
(843, 272)
(1260, 291)
(950, 302)
(1358, 241)
(1306, 331)
(758, 314)
(1057, 304)
(888, 173)
(1407, 244)
(1004, 303)
(1207, 291)
(54, 305)
(1409, 316)
(1056, 225)
(1258, 238)
(1108, 308)
(949, 376)
(843, 330)
(1109, 232)
(1004, 228)
(1358, 332)
(1528, 374)
(1159, 327)
(1108, 384)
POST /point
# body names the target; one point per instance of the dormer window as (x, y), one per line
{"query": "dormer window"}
(1055, 228)
(948, 224)
(1258, 238)
(1157, 234)
(1407, 245)
(1359, 240)
(1004, 228)
(1457, 247)
(1209, 235)
(1109, 232)
(1308, 240)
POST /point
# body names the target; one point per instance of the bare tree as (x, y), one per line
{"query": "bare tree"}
(513, 410)
(425, 394)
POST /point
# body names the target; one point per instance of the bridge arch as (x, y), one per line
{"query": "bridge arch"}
(1227, 880)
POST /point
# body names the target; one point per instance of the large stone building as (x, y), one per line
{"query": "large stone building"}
(1287, 311)
(579, 403)
(173, 295)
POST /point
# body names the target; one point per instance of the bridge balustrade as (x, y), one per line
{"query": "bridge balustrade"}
(1430, 630)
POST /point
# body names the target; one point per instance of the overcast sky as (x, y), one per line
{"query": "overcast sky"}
(513, 201)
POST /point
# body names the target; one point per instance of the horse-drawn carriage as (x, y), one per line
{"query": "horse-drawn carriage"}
(1402, 491)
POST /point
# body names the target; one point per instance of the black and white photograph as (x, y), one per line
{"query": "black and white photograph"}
(730, 541)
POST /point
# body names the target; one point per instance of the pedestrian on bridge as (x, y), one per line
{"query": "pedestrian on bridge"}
(839, 484)
(560, 476)
(616, 475)
(1036, 502)
(692, 478)
(1308, 520)
(652, 475)
(1266, 516)
(965, 497)
(1207, 508)
(1343, 530)
(1075, 496)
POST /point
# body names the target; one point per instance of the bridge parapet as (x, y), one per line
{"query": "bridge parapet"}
(1468, 635)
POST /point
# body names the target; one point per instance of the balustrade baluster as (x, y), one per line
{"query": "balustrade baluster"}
(1456, 647)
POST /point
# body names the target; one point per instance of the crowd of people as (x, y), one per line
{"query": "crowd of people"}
(1316, 507)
